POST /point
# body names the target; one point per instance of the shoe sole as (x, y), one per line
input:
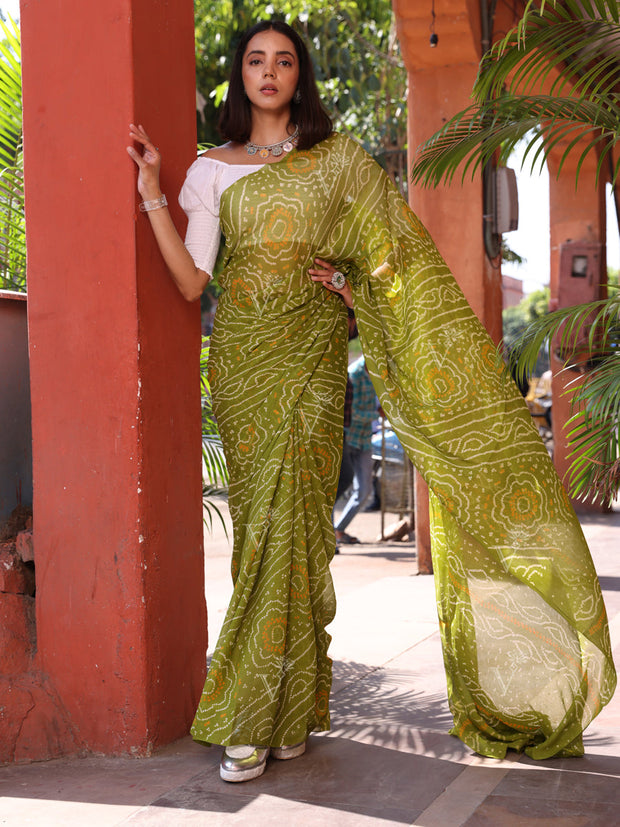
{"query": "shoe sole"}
(243, 775)
(284, 753)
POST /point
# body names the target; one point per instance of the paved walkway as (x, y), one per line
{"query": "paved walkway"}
(387, 760)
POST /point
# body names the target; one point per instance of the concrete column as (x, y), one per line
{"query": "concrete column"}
(578, 230)
(120, 613)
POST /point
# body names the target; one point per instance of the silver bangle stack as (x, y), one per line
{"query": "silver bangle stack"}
(155, 204)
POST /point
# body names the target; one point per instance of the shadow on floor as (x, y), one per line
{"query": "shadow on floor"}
(378, 551)
(334, 774)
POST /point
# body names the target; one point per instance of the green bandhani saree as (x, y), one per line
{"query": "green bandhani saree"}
(524, 630)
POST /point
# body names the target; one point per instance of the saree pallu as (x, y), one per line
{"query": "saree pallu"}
(524, 631)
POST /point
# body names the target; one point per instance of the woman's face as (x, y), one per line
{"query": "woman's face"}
(270, 70)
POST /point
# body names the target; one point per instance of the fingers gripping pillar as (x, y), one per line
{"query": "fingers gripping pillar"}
(120, 614)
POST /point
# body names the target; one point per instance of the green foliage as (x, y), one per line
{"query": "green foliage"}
(516, 319)
(12, 224)
(586, 339)
(580, 110)
(509, 255)
(356, 59)
(214, 471)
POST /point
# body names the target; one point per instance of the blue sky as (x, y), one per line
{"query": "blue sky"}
(11, 7)
(531, 240)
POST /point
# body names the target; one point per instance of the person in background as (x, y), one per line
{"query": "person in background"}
(346, 468)
(357, 439)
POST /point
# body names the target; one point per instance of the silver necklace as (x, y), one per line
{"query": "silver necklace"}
(274, 149)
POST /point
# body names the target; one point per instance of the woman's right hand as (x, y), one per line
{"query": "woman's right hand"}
(149, 163)
(323, 271)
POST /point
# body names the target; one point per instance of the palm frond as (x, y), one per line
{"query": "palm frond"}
(210, 508)
(594, 472)
(586, 339)
(593, 325)
(569, 48)
(214, 470)
(213, 461)
(12, 223)
(473, 137)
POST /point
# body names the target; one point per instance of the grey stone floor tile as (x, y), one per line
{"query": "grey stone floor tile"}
(388, 759)
(97, 779)
(577, 782)
(504, 811)
(262, 811)
(466, 793)
(59, 813)
(384, 702)
(343, 778)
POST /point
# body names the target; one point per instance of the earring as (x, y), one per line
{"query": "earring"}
(297, 97)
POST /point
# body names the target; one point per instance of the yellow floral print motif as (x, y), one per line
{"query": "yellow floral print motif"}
(278, 230)
(491, 358)
(300, 163)
(300, 586)
(274, 635)
(245, 444)
(239, 293)
(447, 500)
(523, 505)
(213, 686)
(321, 703)
(440, 383)
(323, 460)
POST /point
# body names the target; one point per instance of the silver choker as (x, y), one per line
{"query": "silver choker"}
(274, 149)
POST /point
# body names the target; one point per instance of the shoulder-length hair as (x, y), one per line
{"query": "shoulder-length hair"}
(235, 123)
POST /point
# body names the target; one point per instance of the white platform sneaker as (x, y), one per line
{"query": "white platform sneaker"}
(245, 762)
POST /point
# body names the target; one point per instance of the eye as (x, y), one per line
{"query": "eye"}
(285, 62)
(254, 61)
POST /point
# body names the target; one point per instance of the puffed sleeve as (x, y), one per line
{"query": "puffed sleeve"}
(198, 199)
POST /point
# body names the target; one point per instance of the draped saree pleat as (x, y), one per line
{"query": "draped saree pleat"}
(524, 631)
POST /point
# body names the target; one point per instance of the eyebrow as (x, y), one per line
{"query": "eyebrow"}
(261, 52)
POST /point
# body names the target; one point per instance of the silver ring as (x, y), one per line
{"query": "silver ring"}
(338, 279)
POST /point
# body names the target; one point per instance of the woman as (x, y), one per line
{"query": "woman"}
(524, 631)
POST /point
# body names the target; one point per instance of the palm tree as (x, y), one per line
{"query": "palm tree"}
(554, 81)
(214, 470)
(580, 40)
(12, 227)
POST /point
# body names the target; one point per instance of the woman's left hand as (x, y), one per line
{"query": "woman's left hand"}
(324, 271)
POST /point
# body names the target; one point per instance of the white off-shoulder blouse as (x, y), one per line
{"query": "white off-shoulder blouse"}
(200, 196)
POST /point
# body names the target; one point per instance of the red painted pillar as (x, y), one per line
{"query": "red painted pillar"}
(120, 612)
(578, 234)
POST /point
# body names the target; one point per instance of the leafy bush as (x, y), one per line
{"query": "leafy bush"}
(12, 224)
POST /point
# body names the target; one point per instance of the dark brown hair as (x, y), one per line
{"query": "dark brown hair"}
(314, 123)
